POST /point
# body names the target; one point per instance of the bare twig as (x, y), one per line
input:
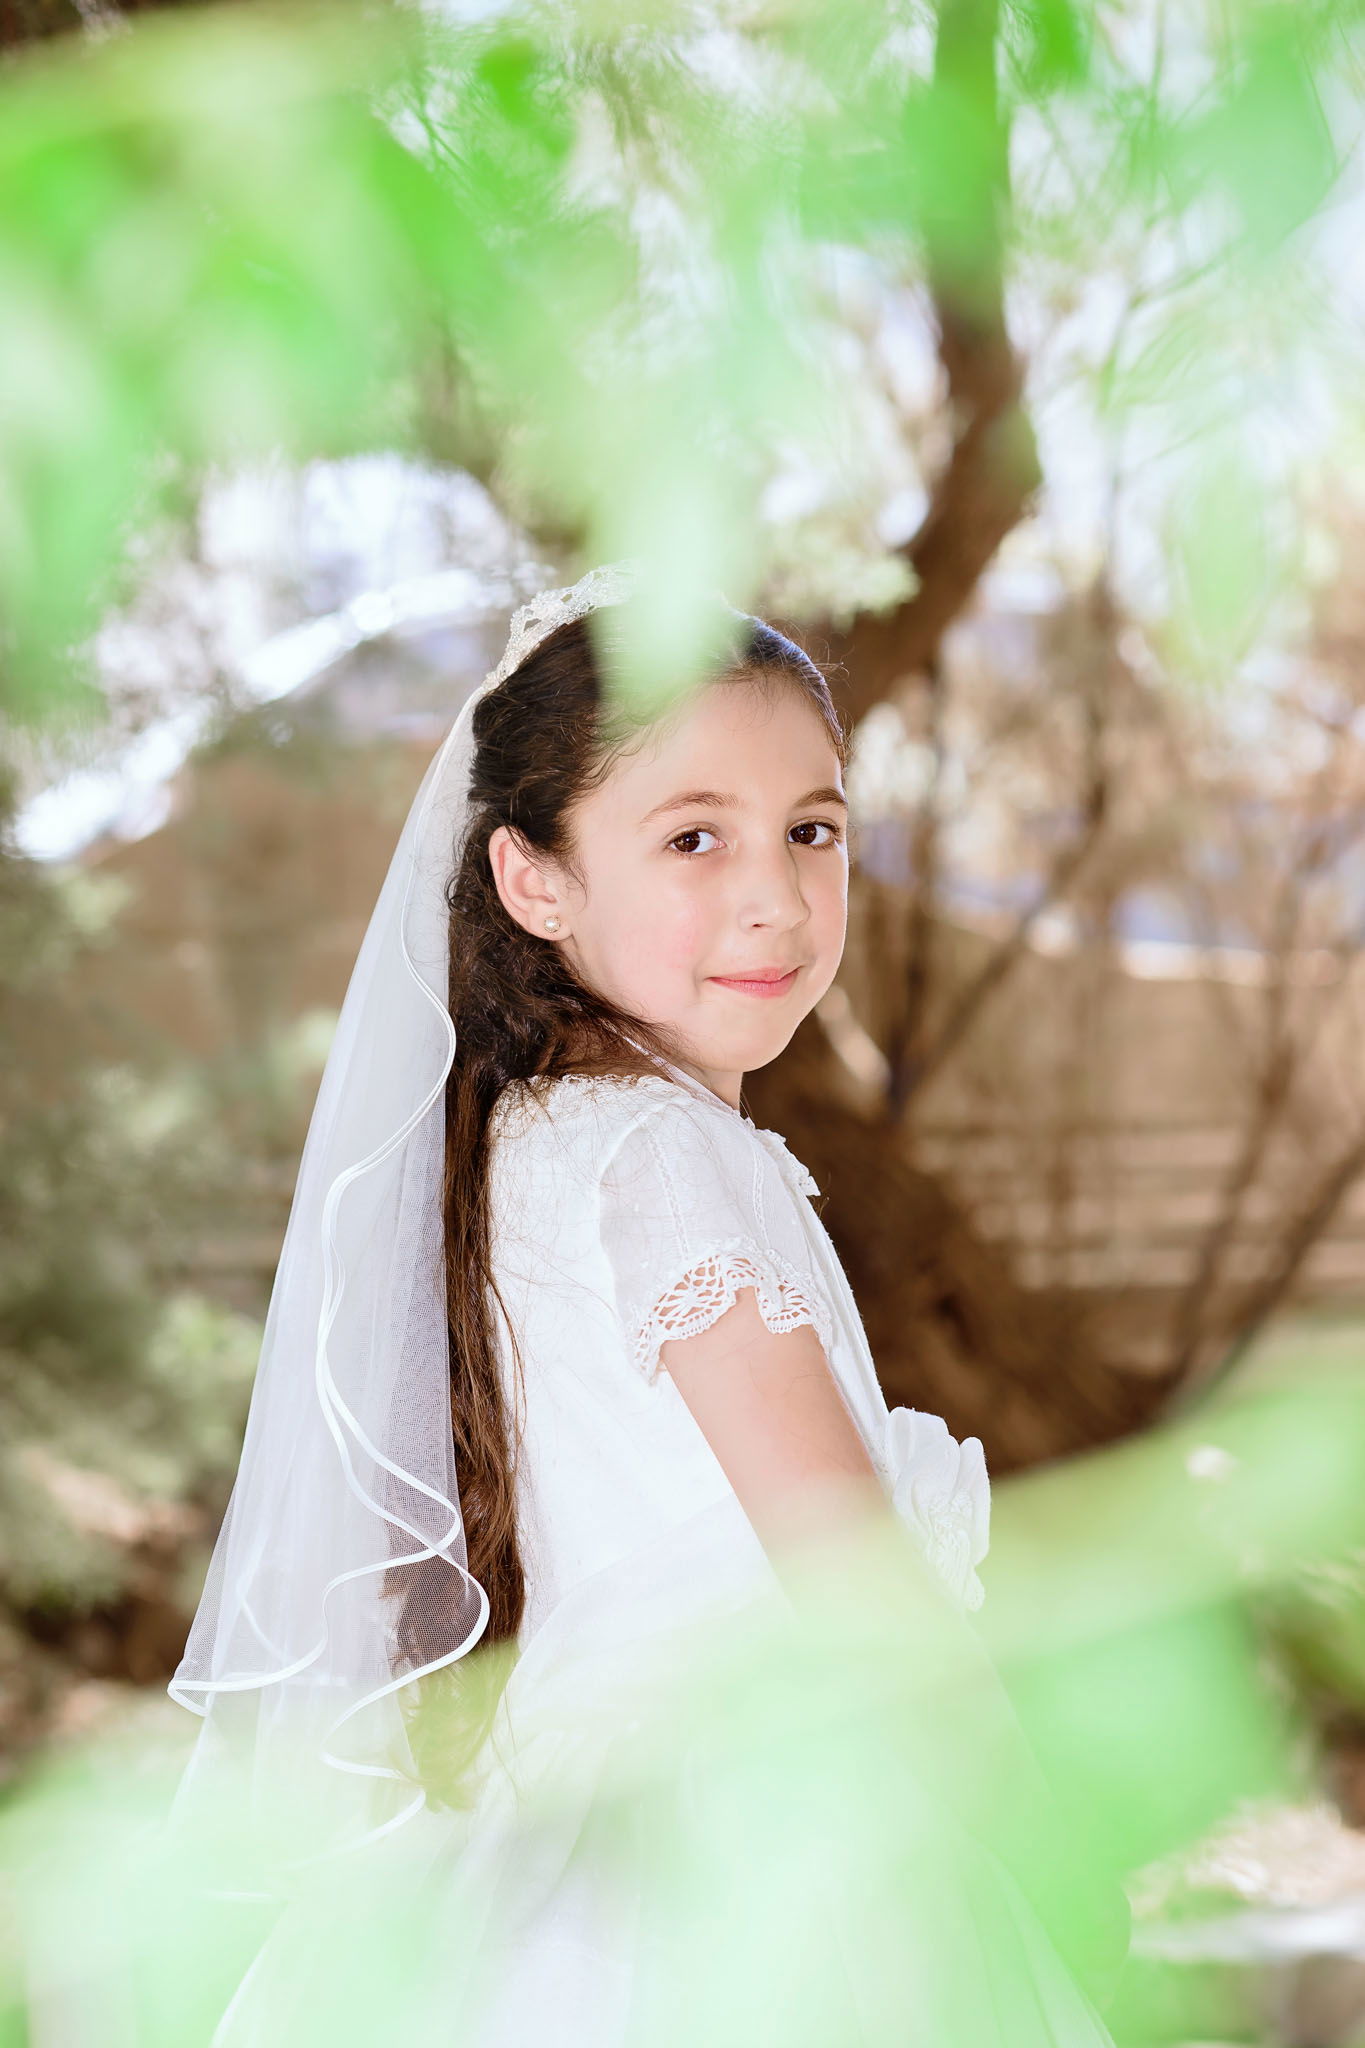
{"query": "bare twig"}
(905, 1046)
(1284, 1057)
(915, 1067)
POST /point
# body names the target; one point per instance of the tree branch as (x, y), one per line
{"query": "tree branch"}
(992, 472)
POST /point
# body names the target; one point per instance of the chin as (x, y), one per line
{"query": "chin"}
(757, 1052)
(737, 1051)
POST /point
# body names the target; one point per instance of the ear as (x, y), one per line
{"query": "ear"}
(529, 890)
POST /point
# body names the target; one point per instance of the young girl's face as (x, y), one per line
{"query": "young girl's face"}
(714, 859)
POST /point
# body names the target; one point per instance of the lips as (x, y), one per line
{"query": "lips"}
(760, 981)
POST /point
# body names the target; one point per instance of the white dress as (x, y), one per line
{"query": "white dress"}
(624, 1212)
(665, 1203)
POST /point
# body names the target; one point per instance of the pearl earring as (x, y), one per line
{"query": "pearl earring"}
(552, 924)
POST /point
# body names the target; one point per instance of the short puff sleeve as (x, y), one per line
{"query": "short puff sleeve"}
(694, 1208)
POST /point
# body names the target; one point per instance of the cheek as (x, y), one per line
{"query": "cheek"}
(836, 901)
(664, 926)
(681, 941)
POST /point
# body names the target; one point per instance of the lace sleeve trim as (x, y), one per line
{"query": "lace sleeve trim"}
(699, 1297)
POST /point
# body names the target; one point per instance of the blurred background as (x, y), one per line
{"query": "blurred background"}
(1006, 353)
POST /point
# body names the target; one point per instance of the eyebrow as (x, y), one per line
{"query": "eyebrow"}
(717, 800)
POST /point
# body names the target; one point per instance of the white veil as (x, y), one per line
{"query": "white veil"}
(345, 1510)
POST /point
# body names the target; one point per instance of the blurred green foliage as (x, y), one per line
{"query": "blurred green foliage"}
(807, 1811)
(1159, 1611)
(579, 249)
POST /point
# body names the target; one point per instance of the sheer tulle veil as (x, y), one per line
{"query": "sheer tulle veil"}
(346, 1504)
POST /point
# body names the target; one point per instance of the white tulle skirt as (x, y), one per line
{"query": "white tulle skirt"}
(624, 1881)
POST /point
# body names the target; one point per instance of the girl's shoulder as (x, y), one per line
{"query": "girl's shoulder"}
(589, 1117)
(607, 1105)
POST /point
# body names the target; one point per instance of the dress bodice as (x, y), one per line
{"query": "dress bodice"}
(630, 1210)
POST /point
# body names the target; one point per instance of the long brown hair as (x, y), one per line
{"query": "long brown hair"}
(544, 739)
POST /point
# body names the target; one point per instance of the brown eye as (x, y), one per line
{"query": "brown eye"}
(693, 832)
(807, 824)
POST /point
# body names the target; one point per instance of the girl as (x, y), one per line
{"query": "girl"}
(560, 1360)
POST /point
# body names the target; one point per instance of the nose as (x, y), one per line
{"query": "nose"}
(771, 894)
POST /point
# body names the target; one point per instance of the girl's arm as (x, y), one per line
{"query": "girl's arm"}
(770, 1408)
(772, 1412)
